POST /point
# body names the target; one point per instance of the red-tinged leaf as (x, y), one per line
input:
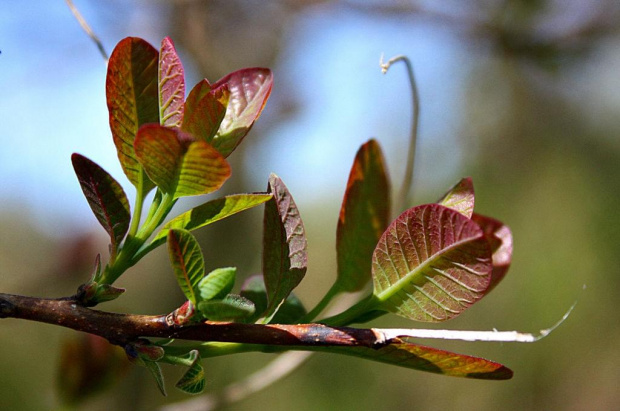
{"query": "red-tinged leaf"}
(431, 264)
(364, 216)
(187, 262)
(171, 85)
(181, 315)
(200, 90)
(285, 257)
(500, 240)
(205, 111)
(105, 197)
(131, 92)
(419, 357)
(249, 90)
(460, 197)
(178, 165)
(88, 365)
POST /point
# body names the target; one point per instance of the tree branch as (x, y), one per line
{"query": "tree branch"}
(121, 329)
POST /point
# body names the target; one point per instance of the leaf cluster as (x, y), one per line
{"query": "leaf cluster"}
(429, 264)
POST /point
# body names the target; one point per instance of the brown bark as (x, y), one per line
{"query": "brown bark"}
(121, 329)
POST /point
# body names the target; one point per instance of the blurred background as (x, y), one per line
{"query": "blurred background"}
(521, 95)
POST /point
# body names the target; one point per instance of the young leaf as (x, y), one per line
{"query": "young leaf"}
(249, 90)
(460, 197)
(284, 245)
(171, 85)
(200, 90)
(211, 212)
(217, 284)
(254, 290)
(204, 114)
(430, 359)
(431, 264)
(187, 262)
(364, 216)
(289, 312)
(500, 240)
(182, 315)
(230, 308)
(107, 292)
(105, 197)
(155, 371)
(193, 381)
(178, 165)
(131, 93)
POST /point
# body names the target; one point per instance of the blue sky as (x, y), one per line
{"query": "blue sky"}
(53, 103)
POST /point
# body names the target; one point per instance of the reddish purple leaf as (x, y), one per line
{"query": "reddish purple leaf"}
(249, 90)
(431, 264)
(364, 216)
(285, 257)
(105, 197)
(460, 197)
(198, 92)
(204, 111)
(500, 240)
(88, 365)
(131, 92)
(420, 357)
(178, 165)
(171, 85)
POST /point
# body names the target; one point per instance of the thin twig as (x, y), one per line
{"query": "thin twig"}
(401, 200)
(87, 29)
(490, 336)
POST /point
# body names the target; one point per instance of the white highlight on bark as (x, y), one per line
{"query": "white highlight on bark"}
(385, 335)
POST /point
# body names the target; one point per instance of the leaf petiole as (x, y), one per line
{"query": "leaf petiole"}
(362, 307)
(334, 291)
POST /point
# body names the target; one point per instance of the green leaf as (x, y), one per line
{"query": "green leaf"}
(107, 292)
(205, 111)
(217, 284)
(178, 165)
(289, 312)
(211, 212)
(460, 197)
(131, 93)
(254, 290)
(193, 381)
(171, 84)
(229, 308)
(285, 255)
(431, 264)
(500, 239)
(419, 357)
(364, 216)
(187, 262)
(249, 90)
(155, 371)
(105, 197)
